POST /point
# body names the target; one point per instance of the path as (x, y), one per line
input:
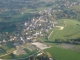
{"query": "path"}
(50, 34)
(5, 54)
(61, 27)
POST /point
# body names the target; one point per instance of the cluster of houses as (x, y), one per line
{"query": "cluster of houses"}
(38, 26)
(31, 29)
(67, 4)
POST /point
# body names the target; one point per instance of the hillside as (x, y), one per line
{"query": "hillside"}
(71, 30)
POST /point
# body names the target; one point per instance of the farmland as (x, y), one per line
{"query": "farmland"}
(63, 54)
(21, 56)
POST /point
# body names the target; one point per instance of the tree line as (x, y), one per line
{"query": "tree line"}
(69, 41)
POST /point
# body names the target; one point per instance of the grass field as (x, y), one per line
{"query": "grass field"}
(26, 55)
(76, 7)
(1, 52)
(70, 31)
(8, 46)
(65, 51)
(21, 56)
(63, 54)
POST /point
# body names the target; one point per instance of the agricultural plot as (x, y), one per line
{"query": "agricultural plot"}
(7, 46)
(63, 54)
(76, 7)
(23, 54)
(31, 47)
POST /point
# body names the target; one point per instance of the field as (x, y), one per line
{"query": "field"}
(71, 30)
(63, 54)
(10, 24)
(64, 51)
(7, 46)
(76, 7)
(26, 55)
(22, 56)
(1, 52)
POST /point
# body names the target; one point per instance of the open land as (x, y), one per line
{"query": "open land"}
(63, 54)
(71, 27)
(62, 51)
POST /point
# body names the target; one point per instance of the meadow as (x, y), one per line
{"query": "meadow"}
(1, 52)
(62, 51)
(63, 54)
(71, 30)
(21, 56)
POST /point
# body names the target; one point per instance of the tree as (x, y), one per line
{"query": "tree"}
(13, 56)
(48, 55)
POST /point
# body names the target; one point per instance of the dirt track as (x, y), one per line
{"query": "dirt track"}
(61, 27)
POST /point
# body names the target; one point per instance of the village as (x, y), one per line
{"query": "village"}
(31, 30)
(38, 26)
(27, 37)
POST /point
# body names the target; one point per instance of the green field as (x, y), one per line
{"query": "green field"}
(65, 51)
(7, 46)
(63, 54)
(1, 52)
(70, 31)
(21, 56)
(76, 7)
(26, 55)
